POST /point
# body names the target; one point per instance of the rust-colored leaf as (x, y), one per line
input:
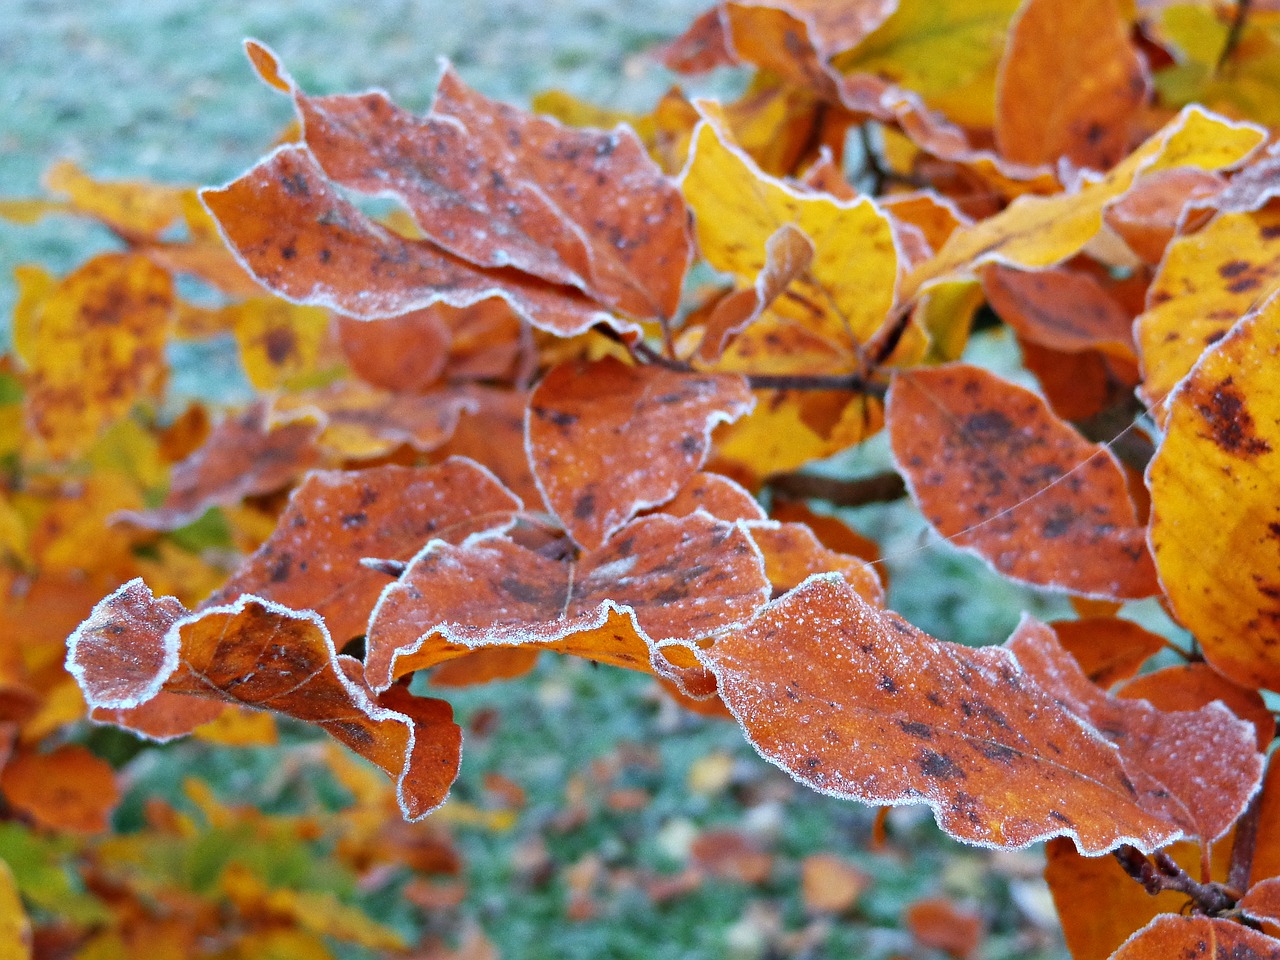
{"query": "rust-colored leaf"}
(304, 241)
(493, 436)
(792, 553)
(607, 440)
(241, 457)
(1190, 686)
(854, 702)
(1197, 938)
(1150, 214)
(658, 578)
(1262, 902)
(1080, 384)
(1214, 521)
(943, 925)
(66, 789)
(1062, 309)
(402, 354)
(717, 495)
(995, 472)
(95, 346)
(485, 666)
(1197, 768)
(1107, 649)
(499, 187)
(1070, 84)
(830, 884)
(260, 654)
(337, 518)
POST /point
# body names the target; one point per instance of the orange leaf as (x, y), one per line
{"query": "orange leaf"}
(717, 495)
(657, 579)
(1213, 501)
(1062, 309)
(1190, 686)
(830, 884)
(485, 666)
(1070, 84)
(856, 703)
(938, 923)
(337, 518)
(304, 241)
(996, 473)
(1107, 649)
(1262, 902)
(67, 789)
(1150, 215)
(793, 552)
(405, 353)
(1197, 938)
(606, 440)
(500, 188)
(1082, 383)
(260, 654)
(1197, 769)
(493, 435)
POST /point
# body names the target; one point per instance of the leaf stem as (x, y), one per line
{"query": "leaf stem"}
(1162, 874)
(1234, 34)
(877, 488)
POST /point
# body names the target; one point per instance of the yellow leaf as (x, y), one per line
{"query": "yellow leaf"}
(739, 207)
(138, 209)
(948, 51)
(240, 727)
(279, 341)
(1215, 483)
(15, 928)
(1206, 282)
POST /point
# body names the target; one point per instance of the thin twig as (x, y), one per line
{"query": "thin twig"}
(849, 382)
(1162, 874)
(877, 488)
(1243, 846)
(1234, 33)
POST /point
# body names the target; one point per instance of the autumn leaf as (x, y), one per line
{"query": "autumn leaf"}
(1213, 500)
(854, 702)
(66, 789)
(606, 440)
(1059, 308)
(1195, 938)
(260, 654)
(1107, 649)
(656, 579)
(996, 473)
(401, 354)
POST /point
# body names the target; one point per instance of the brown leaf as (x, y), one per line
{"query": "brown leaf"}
(1070, 86)
(1150, 214)
(607, 440)
(403, 354)
(1190, 686)
(304, 241)
(260, 654)
(658, 578)
(856, 703)
(1197, 938)
(731, 855)
(1059, 308)
(67, 789)
(939, 923)
(996, 473)
(499, 187)
(337, 518)
(1197, 769)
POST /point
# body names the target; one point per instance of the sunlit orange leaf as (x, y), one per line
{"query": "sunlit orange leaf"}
(833, 533)
(717, 495)
(97, 346)
(67, 789)
(738, 208)
(15, 927)
(499, 187)
(1117, 904)
(485, 666)
(943, 925)
(241, 457)
(1042, 231)
(336, 518)
(1107, 649)
(279, 341)
(830, 884)
(1070, 84)
(493, 436)
(658, 578)
(1081, 384)
(788, 254)
(1062, 309)
(934, 216)
(359, 422)
(1190, 686)
(1149, 216)
(404, 354)
(302, 240)
(1206, 282)
(204, 253)
(792, 553)
(260, 654)
(1197, 938)
(1196, 768)
(1213, 501)
(996, 473)
(854, 702)
(606, 440)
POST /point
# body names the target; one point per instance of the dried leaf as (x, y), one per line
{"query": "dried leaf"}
(607, 440)
(1066, 310)
(717, 495)
(792, 553)
(1070, 84)
(658, 578)
(260, 654)
(403, 354)
(1213, 501)
(1107, 649)
(1194, 938)
(854, 702)
(1150, 214)
(939, 923)
(830, 884)
(67, 789)
(995, 472)
(1190, 686)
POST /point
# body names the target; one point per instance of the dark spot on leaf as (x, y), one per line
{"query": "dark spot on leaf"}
(916, 729)
(934, 764)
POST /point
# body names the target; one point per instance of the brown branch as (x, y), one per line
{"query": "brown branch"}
(1162, 874)
(877, 488)
(886, 340)
(1234, 34)
(1243, 846)
(850, 382)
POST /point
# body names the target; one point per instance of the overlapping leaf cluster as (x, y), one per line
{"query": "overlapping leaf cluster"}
(499, 422)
